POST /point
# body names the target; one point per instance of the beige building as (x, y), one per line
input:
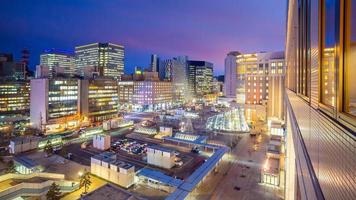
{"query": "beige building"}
(107, 167)
(145, 92)
(161, 157)
(264, 75)
(102, 141)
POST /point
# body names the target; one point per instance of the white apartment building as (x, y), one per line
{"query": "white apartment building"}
(107, 167)
(161, 157)
(101, 142)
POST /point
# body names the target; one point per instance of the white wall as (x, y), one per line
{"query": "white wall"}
(38, 102)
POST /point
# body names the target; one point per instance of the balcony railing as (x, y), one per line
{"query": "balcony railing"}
(324, 150)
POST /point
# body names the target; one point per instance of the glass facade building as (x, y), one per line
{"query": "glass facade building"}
(99, 99)
(200, 77)
(14, 97)
(107, 57)
(58, 59)
(320, 99)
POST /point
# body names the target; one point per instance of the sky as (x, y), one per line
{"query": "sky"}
(201, 29)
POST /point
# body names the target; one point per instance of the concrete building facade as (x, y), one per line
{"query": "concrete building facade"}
(230, 71)
(160, 157)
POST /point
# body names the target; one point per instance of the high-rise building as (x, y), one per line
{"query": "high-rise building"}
(155, 62)
(54, 104)
(175, 70)
(10, 69)
(200, 77)
(98, 99)
(55, 59)
(14, 98)
(263, 75)
(145, 92)
(107, 57)
(320, 99)
(230, 74)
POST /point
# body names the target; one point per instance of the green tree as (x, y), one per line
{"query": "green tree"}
(53, 192)
(11, 168)
(85, 181)
(48, 148)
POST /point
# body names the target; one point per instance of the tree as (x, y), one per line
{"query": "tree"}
(85, 181)
(48, 148)
(11, 168)
(53, 192)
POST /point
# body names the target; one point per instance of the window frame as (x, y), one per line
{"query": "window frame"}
(344, 117)
(303, 52)
(330, 110)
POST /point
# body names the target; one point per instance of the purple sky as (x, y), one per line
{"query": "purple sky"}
(200, 29)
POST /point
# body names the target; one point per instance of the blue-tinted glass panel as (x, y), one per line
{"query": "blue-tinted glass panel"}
(328, 82)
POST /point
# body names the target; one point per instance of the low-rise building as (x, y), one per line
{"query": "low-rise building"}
(270, 173)
(106, 166)
(22, 144)
(161, 157)
(25, 165)
(102, 141)
(110, 192)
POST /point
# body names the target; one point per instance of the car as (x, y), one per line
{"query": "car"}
(195, 150)
(179, 163)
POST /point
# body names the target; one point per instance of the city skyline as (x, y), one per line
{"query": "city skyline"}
(196, 28)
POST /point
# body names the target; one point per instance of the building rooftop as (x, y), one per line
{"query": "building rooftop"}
(110, 192)
(58, 51)
(271, 166)
(25, 161)
(121, 164)
(159, 176)
(19, 140)
(161, 149)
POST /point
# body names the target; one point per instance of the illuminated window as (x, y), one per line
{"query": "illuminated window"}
(350, 57)
(329, 39)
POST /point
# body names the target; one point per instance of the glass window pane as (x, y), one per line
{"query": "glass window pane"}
(328, 56)
(351, 60)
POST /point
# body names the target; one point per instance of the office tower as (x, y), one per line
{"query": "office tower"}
(14, 98)
(155, 62)
(58, 60)
(98, 99)
(10, 69)
(14, 90)
(165, 70)
(54, 104)
(230, 74)
(320, 100)
(175, 70)
(107, 57)
(263, 82)
(218, 87)
(200, 77)
(145, 92)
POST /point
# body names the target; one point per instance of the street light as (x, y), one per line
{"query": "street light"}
(80, 174)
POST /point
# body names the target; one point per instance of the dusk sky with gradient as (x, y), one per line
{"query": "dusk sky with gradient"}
(203, 30)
